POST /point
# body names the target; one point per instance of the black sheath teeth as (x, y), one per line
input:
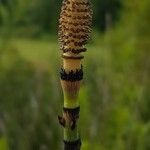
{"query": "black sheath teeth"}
(73, 115)
(73, 111)
(72, 75)
(74, 145)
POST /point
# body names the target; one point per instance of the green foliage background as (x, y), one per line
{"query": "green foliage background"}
(115, 97)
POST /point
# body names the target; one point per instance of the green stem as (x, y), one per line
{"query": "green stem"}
(71, 135)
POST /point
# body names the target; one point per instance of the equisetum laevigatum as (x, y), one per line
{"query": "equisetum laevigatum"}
(74, 31)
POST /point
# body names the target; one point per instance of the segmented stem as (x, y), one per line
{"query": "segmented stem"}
(74, 32)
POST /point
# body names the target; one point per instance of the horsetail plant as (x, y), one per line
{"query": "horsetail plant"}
(74, 30)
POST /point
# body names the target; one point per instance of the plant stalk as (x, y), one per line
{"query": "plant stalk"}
(74, 29)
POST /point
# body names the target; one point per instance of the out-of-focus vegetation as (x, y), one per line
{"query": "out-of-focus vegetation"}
(115, 97)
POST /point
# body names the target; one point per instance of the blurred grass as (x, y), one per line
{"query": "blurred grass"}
(110, 97)
(39, 52)
(114, 96)
(3, 143)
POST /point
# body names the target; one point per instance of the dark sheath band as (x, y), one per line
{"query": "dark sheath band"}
(72, 110)
(72, 75)
(74, 145)
(73, 115)
(73, 50)
(72, 57)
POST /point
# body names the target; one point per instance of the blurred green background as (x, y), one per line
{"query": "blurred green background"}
(115, 95)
